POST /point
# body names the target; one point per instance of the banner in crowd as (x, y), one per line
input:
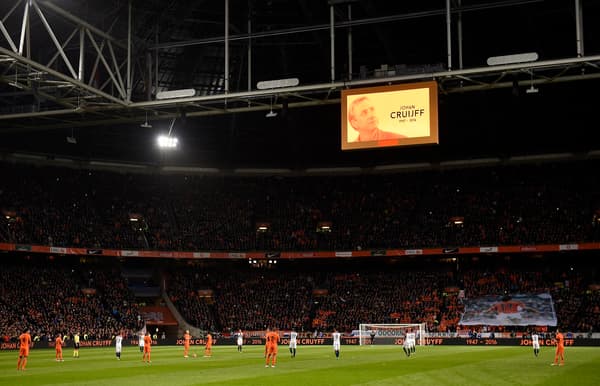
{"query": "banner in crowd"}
(258, 255)
(158, 315)
(132, 344)
(514, 310)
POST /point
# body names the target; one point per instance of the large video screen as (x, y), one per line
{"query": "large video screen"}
(397, 115)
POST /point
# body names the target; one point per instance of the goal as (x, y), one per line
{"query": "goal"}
(372, 333)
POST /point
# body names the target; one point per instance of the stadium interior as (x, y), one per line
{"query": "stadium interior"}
(258, 218)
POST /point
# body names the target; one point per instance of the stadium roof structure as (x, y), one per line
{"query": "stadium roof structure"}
(95, 79)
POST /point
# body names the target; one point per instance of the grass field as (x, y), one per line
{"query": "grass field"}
(313, 365)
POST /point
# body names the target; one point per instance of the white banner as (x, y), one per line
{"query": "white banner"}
(513, 310)
(488, 249)
(568, 247)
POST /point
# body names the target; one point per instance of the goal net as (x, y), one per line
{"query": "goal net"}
(390, 333)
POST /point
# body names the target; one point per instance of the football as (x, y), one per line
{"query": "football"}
(194, 355)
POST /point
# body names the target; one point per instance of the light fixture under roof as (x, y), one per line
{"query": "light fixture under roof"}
(277, 83)
(511, 59)
(146, 125)
(167, 141)
(71, 138)
(271, 113)
(172, 94)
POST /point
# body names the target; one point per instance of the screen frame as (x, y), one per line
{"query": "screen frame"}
(431, 138)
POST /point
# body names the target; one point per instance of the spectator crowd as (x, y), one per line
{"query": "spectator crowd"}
(506, 205)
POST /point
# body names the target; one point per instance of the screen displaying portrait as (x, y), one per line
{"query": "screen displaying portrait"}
(397, 115)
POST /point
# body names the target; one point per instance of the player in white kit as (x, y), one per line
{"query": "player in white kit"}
(118, 345)
(293, 342)
(141, 342)
(412, 341)
(406, 346)
(336, 343)
(535, 342)
(240, 340)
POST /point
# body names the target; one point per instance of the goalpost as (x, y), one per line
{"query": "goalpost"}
(373, 333)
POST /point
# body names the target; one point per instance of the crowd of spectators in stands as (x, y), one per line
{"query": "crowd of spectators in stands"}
(51, 298)
(241, 298)
(224, 297)
(337, 297)
(508, 205)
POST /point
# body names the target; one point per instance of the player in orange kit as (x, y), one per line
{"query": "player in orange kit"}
(147, 348)
(24, 344)
(58, 343)
(208, 347)
(186, 343)
(272, 338)
(560, 349)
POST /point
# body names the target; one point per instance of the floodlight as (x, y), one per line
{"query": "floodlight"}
(167, 142)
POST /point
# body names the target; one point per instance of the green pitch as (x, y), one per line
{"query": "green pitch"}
(313, 365)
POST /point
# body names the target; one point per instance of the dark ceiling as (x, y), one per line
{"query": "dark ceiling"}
(484, 111)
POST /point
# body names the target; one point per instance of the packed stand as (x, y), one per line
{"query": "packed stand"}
(507, 205)
(64, 300)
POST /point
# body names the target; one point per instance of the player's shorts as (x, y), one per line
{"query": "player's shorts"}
(76, 345)
(293, 344)
(24, 351)
(536, 346)
(271, 349)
